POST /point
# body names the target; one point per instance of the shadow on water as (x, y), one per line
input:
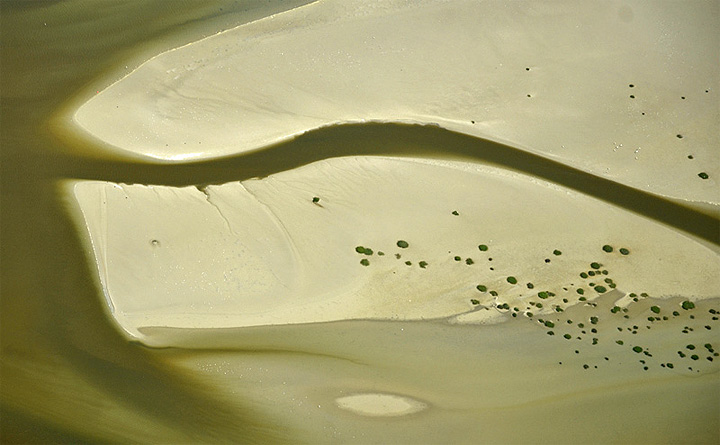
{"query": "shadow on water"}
(394, 139)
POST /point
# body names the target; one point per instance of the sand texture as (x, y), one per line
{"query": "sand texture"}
(261, 251)
(627, 92)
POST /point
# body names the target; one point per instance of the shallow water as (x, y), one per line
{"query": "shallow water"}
(68, 375)
(62, 361)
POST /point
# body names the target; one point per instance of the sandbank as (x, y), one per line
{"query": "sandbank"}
(373, 238)
(627, 92)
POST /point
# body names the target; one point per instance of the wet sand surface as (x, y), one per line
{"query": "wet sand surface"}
(69, 374)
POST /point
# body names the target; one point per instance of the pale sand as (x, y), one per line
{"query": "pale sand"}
(262, 252)
(376, 404)
(468, 66)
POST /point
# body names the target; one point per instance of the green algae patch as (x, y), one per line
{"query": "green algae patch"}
(402, 244)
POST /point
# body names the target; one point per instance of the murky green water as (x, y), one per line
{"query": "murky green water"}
(67, 374)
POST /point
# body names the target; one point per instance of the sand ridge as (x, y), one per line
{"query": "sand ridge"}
(604, 89)
(373, 238)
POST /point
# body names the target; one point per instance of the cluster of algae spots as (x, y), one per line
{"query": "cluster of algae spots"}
(369, 252)
(608, 314)
(701, 175)
(402, 244)
(607, 323)
(632, 338)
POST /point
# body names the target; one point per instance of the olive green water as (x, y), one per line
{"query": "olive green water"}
(67, 374)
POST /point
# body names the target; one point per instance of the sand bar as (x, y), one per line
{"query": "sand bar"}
(625, 91)
(372, 238)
